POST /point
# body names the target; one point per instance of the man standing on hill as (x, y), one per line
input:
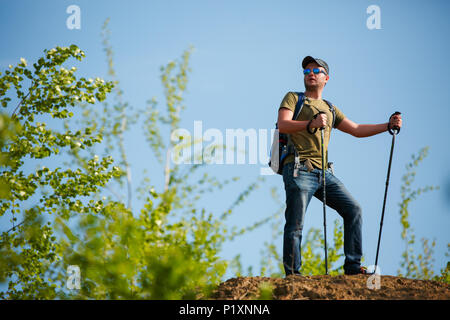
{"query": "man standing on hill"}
(302, 173)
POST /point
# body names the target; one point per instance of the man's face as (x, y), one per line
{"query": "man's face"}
(313, 81)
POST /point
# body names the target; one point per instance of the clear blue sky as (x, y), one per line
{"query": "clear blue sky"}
(247, 56)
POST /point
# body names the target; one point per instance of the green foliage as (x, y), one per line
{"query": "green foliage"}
(265, 291)
(29, 248)
(26, 257)
(123, 257)
(8, 129)
(414, 265)
(313, 261)
(445, 272)
(167, 249)
(170, 247)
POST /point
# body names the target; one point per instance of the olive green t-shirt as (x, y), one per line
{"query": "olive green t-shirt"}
(309, 145)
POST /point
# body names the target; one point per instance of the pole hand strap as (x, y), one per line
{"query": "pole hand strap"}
(313, 131)
(394, 128)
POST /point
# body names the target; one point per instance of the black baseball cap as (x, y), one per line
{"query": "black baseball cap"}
(320, 62)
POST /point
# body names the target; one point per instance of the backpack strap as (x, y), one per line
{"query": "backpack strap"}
(299, 105)
(333, 111)
(298, 108)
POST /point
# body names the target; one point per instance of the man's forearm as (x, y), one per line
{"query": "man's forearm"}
(368, 130)
(291, 126)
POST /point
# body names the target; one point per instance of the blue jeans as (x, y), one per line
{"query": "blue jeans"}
(299, 191)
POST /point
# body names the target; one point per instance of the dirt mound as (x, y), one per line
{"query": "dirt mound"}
(340, 287)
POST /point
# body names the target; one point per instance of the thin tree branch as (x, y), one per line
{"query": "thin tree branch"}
(15, 226)
(13, 115)
(167, 170)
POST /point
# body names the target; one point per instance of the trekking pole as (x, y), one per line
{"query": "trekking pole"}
(324, 199)
(395, 130)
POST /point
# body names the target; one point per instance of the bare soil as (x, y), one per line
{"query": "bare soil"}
(342, 287)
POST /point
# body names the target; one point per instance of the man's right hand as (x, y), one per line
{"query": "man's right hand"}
(320, 121)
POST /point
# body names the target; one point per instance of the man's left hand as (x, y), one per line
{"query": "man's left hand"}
(395, 121)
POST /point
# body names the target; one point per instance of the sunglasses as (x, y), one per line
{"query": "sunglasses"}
(315, 71)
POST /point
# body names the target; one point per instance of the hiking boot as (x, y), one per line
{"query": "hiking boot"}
(295, 274)
(361, 270)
